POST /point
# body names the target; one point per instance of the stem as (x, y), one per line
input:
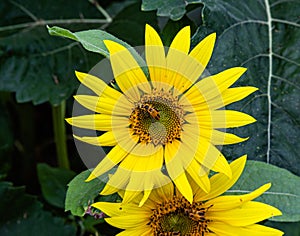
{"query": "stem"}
(58, 117)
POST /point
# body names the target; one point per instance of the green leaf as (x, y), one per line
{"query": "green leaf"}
(175, 9)
(35, 66)
(264, 37)
(81, 194)
(22, 214)
(54, 182)
(284, 193)
(92, 40)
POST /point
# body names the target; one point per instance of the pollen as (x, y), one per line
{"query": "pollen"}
(157, 118)
(178, 217)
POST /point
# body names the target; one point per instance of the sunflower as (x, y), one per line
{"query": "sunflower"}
(167, 212)
(164, 123)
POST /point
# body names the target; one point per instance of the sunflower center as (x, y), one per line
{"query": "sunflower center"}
(157, 118)
(179, 217)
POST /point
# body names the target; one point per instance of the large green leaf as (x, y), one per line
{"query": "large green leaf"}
(175, 9)
(92, 40)
(284, 193)
(54, 182)
(263, 36)
(22, 214)
(81, 194)
(38, 67)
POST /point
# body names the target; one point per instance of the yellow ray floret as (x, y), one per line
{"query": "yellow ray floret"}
(165, 124)
(167, 212)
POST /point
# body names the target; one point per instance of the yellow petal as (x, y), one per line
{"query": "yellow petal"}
(220, 81)
(145, 197)
(145, 163)
(203, 51)
(258, 230)
(128, 74)
(217, 137)
(143, 231)
(119, 209)
(220, 183)
(95, 122)
(177, 53)
(181, 42)
(225, 119)
(96, 85)
(130, 195)
(116, 155)
(194, 171)
(116, 182)
(221, 165)
(129, 221)
(106, 139)
(223, 203)
(123, 136)
(116, 106)
(142, 182)
(229, 96)
(249, 213)
(143, 171)
(192, 66)
(261, 230)
(184, 187)
(162, 194)
(155, 57)
(174, 154)
(209, 156)
(90, 102)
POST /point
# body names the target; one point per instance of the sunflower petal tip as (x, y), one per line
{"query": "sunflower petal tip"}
(187, 29)
(108, 43)
(253, 120)
(245, 139)
(79, 74)
(77, 137)
(68, 120)
(212, 37)
(241, 160)
(91, 177)
(149, 27)
(268, 186)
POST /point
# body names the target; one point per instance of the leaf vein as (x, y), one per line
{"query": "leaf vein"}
(265, 193)
(286, 22)
(269, 83)
(254, 57)
(242, 23)
(286, 59)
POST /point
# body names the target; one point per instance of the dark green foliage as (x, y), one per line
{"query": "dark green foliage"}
(22, 214)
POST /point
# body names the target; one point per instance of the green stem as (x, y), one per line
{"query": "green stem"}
(58, 117)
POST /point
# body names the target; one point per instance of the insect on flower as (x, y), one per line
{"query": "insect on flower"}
(153, 112)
